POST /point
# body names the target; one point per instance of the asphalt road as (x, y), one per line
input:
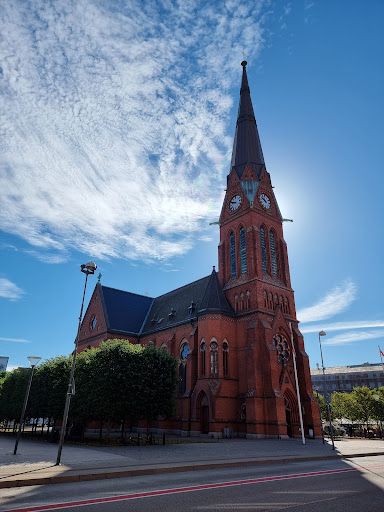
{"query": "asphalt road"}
(356, 485)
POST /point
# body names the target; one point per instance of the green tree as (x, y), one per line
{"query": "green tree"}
(363, 404)
(159, 381)
(12, 394)
(116, 382)
(378, 415)
(339, 406)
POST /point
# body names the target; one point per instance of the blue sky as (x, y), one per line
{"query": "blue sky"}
(116, 130)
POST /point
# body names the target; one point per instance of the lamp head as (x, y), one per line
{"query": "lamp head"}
(89, 268)
(33, 361)
(322, 333)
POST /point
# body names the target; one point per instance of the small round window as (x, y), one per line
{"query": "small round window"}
(214, 345)
(93, 322)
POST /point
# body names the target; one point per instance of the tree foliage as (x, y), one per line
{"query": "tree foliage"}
(118, 381)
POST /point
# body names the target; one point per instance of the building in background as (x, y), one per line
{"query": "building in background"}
(231, 332)
(3, 363)
(345, 378)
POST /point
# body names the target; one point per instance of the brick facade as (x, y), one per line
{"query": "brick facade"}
(238, 372)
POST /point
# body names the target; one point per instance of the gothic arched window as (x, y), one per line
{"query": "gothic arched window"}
(202, 355)
(183, 368)
(225, 359)
(263, 250)
(232, 253)
(243, 254)
(273, 253)
(214, 359)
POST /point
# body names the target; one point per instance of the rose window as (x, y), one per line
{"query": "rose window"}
(282, 348)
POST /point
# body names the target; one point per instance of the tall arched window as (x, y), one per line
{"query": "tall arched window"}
(263, 250)
(273, 253)
(225, 359)
(243, 254)
(202, 355)
(214, 359)
(183, 368)
(232, 252)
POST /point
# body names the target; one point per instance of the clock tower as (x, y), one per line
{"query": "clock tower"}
(254, 275)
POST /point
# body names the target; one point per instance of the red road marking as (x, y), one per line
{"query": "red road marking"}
(186, 489)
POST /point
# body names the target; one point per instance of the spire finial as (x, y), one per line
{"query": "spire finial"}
(99, 277)
(244, 63)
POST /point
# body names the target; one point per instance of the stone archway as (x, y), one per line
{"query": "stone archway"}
(290, 411)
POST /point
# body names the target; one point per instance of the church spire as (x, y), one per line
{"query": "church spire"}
(246, 146)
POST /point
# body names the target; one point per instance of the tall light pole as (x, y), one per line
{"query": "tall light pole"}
(33, 361)
(322, 333)
(87, 269)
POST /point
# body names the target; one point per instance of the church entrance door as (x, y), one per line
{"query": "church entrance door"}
(204, 419)
(289, 422)
(204, 415)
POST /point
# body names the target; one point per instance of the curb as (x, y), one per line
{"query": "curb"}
(125, 473)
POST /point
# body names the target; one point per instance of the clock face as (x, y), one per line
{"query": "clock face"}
(235, 202)
(265, 201)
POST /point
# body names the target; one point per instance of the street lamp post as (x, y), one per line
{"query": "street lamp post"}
(322, 333)
(33, 361)
(87, 269)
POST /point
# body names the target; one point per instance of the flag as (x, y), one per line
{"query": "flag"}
(381, 353)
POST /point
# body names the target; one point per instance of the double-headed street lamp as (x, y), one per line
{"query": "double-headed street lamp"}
(33, 361)
(322, 333)
(87, 269)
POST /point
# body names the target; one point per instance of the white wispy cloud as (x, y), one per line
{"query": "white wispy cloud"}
(342, 326)
(336, 301)
(113, 121)
(10, 290)
(352, 336)
(205, 238)
(49, 257)
(15, 340)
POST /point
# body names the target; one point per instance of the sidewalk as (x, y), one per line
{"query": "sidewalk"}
(34, 462)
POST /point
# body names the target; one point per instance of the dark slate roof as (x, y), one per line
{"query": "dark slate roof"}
(174, 307)
(214, 298)
(246, 145)
(138, 314)
(124, 311)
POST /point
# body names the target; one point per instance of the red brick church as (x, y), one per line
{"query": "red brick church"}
(230, 331)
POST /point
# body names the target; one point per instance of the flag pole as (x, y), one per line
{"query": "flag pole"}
(381, 357)
(297, 385)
